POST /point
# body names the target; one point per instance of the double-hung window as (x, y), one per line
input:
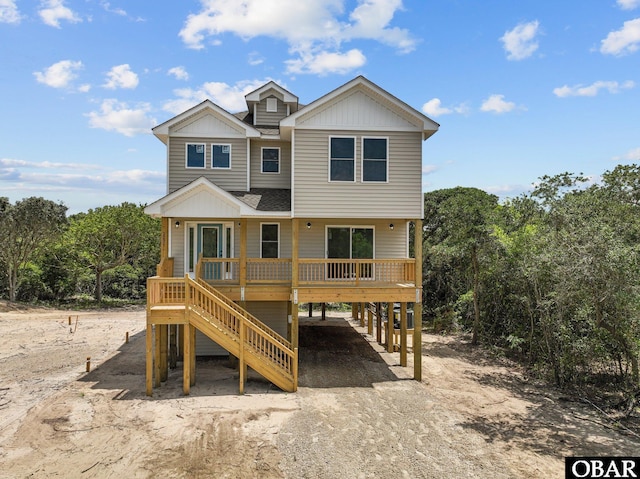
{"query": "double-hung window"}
(342, 153)
(270, 160)
(195, 155)
(269, 240)
(272, 105)
(221, 156)
(375, 155)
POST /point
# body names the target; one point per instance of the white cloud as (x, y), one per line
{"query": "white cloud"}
(520, 43)
(497, 104)
(179, 72)
(593, 89)
(9, 162)
(117, 116)
(121, 76)
(628, 4)
(631, 155)
(53, 11)
(434, 108)
(229, 97)
(428, 169)
(255, 59)
(9, 12)
(326, 62)
(623, 41)
(118, 11)
(314, 29)
(60, 74)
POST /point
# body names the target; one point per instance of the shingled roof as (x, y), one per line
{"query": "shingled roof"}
(265, 199)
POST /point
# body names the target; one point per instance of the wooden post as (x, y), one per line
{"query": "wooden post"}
(241, 356)
(192, 339)
(379, 323)
(354, 310)
(186, 361)
(156, 357)
(390, 327)
(164, 238)
(403, 334)
(173, 346)
(149, 354)
(164, 358)
(311, 310)
(369, 320)
(324, 311)
(362, 313)
(243, 257)
(181, 334)
(417, 307)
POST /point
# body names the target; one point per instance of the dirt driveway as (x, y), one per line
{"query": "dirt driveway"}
(356, 414)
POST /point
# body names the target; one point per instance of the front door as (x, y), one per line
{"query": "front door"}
(209, 246)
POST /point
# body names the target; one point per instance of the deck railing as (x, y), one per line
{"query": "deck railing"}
(310, 271)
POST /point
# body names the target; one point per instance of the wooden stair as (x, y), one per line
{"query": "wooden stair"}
(242, 334)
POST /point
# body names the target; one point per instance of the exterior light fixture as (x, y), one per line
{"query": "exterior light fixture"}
(391, 226)
(308, 225)
(177, 224)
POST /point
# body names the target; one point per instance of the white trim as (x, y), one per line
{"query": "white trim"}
(362, 158)
(260, 244)
(262, 160)
(408, 234)
(230, 156)
(293, 172)
(186, 156)
(248, 164)
(167, 162)
(255, 113)
(329, 159)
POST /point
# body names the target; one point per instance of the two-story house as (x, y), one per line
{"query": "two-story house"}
(280, 205)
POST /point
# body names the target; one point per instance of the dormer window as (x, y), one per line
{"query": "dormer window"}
(221, 156)
(272, 105)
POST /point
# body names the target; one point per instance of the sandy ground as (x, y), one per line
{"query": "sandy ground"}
(356, 414)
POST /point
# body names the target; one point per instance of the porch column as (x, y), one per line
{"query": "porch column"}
(417, 307)
(243, 258)
(390, 319)
(403, 334)
(149, 354)
(164, 238)
(186, 359)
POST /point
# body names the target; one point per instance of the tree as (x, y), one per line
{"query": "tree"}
(110, 236)
(25, 228)
(458, 220)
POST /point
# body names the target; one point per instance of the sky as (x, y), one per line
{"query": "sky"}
(521, 89)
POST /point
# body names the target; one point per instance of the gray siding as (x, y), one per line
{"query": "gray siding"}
(234, 179)
(315, 196)
(270, 180)
(263, 117)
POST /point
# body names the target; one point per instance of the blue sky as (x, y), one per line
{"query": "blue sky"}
(521, 89)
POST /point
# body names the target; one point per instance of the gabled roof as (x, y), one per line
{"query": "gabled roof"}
(256, 95)
(203, 199)
(162, 130)
(428, 126)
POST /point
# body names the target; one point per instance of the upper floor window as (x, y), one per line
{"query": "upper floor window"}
(270, 160)
(195, 155)
(269, 240)
(374, 159)
(272, 105)
(342, 153)
(221, 156)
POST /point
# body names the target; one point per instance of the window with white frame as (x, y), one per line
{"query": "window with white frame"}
(374, 159)
(272, 105)
(221, 156)
(269, 240)
(195, 155)
(270, 160)
(342, 153)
